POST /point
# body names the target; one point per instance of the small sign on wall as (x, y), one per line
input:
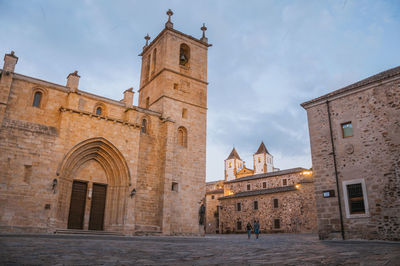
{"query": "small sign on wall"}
(328, 193)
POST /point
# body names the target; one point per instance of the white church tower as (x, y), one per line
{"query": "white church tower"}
(263, 160)
(233, 164)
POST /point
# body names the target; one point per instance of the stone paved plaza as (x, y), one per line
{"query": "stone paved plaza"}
(277, 249)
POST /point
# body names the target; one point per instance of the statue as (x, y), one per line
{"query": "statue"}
(202, 212)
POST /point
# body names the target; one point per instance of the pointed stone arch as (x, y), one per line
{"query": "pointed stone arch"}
(118, 180)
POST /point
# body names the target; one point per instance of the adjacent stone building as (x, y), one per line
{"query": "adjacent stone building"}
(214, 191)
(355, 146)
(282, 201)
(74, 160)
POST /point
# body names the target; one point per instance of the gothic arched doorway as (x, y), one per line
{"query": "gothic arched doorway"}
(93, 187)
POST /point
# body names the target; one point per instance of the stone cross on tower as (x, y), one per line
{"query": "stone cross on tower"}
(169, 24)
(204, 38)
(147, 38)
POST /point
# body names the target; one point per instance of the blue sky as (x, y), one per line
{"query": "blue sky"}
(267, 58)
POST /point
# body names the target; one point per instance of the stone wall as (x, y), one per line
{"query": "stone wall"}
(296, 211)
(372, 155)
(212, 210)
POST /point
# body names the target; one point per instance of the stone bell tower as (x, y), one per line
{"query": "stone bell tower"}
(174, 83)
(233, 164)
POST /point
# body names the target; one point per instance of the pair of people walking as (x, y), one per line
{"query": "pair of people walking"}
(256, 229)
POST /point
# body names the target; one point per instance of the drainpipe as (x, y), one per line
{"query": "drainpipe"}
(336, 173)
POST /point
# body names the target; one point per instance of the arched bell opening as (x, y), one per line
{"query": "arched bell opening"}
(93, 187)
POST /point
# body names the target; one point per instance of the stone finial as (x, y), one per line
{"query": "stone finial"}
(169, 24)
(147, 38)
(73, 81)
(204, 38)
(128, 97)
(10, 60)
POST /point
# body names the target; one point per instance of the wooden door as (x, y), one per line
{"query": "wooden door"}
(96, 220)
(77, 206)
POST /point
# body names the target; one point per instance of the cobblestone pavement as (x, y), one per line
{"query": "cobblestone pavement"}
(276, 249)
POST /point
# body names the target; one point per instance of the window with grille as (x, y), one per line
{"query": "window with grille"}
(264, 184)
(277, 223)
(238, 206)
(276, 204)
(356, 199)
(248, 187)
(256, 205)
(284, 182)
(347, 130)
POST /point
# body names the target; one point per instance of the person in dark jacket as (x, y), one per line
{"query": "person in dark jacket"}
(248, 228)
(256, 228)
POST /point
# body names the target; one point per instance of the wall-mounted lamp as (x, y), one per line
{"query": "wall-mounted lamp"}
(54, 185)
(133, 192)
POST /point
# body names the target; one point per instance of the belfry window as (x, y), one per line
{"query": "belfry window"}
(37, 98)
(184, 54)
(182, 136)
(144, 126)
(98, 111)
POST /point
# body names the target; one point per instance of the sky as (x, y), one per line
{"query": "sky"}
(267, 58)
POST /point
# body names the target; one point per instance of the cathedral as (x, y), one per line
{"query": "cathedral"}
(73, 160)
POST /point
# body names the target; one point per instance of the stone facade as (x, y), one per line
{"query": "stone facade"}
(151, 157)
(280, 206)
(214, 191)
(355, 146)
(282, 201)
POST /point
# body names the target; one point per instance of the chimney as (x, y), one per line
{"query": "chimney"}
(10, 60)
(128, 97)
(73, 81)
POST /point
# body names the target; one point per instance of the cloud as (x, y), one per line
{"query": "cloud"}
(267, 58)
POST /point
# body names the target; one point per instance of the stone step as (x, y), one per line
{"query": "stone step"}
(148, 233)
(86, 232)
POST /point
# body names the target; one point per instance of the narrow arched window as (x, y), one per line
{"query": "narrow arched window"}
(182, 136)
(144, 126)
(153, 61)
(184, 55)
(37, 98)
(98, 111)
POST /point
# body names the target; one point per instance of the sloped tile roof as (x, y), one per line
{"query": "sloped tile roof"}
(233, 155)
(259, 192)
(270, 174)
(262, 149)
